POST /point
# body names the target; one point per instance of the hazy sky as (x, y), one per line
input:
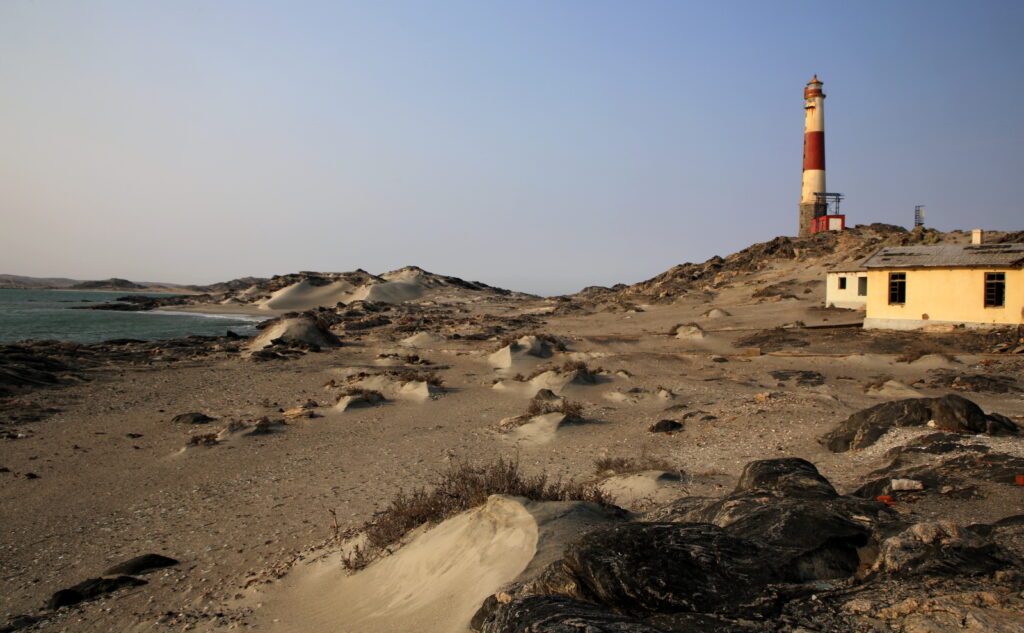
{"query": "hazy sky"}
(537, 145)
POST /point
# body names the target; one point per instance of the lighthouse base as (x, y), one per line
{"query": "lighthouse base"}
(808, 212)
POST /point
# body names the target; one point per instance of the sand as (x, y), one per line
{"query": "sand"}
(250, 516)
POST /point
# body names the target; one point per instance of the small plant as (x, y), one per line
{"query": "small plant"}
(203, 439)
(574, 365)
(462, 487)
(430, 378)
(265, 425)
(630, 465)
(877, 383)
(370, 395)
(573, 411)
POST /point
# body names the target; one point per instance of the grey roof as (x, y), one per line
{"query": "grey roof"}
(849, 267)
(947, 256)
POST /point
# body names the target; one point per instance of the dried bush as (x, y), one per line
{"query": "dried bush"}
(462, 487)
(370, 395)
(877, 383)
(430, 378)
(629, 465)
(202, 439)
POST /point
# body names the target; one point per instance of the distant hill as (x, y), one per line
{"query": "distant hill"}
(19, 281)
(115, 284)
(823, 250)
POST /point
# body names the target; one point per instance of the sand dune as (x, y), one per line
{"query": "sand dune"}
(305, 296)
(437, 581)
(527, 348)
(295, 330)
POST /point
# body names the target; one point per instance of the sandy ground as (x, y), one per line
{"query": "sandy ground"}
(239, 513)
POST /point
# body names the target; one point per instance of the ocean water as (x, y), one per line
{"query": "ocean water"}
(44, 314)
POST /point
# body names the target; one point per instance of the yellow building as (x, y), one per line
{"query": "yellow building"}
(976, 285)
(847, 287)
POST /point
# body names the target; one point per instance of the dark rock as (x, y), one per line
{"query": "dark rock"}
(89, 589)
(802, 377)
(19, 622)
(192, 418)
(950, 412)
(791, 475)
(140, 564)
(640, 568)
(665, 426)
(970, 468)
(941, 548)
(990, 383)
(556, 614)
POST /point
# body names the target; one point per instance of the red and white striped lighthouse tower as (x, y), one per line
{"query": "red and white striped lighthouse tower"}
(814, 156)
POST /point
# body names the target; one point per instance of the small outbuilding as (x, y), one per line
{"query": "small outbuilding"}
(975, 285)
(847, 287)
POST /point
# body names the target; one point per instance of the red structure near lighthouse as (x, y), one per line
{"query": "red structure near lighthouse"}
(814, 197)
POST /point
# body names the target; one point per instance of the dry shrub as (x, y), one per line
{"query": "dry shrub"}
(202, 439)
(555, 342)
(918, 351)
(265, 425)
(573, 411)
(629, 465)
(370, 395)
(574, 365)
(430, 378)
(462, 487)
(877, 383)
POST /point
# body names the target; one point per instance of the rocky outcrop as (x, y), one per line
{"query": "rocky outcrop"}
(784, 552)
(556, 614)
(303, 332)
(950, 412)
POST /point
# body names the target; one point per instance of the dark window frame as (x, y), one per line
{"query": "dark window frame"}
(842, 283)
(862, 286)
(995, 290)
(897, 288)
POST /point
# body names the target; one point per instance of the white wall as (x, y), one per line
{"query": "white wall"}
(847, 297)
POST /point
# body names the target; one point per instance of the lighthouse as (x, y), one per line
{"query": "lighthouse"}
(812, 206)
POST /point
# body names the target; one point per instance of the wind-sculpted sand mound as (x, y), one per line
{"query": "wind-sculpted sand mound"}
(527, 348)
(305, 296)
(424, 340)
(556, 380)
(437, 580)
(301, 331)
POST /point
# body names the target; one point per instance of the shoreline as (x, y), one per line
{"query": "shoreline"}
(239, 310)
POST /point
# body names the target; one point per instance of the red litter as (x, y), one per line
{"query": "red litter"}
(886, 499)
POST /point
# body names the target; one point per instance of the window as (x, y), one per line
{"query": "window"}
(842, 283)
(897, 288)
(862, 286)
(995, 290)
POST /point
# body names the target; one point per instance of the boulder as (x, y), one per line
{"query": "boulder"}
(192, 418)
(140, 564)
(951, 412)
(665, 426)
(554, 614)
(643, 568)
(301, 331)
(941, 548)
(791, 475)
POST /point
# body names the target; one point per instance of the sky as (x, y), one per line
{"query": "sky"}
(538, 145)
